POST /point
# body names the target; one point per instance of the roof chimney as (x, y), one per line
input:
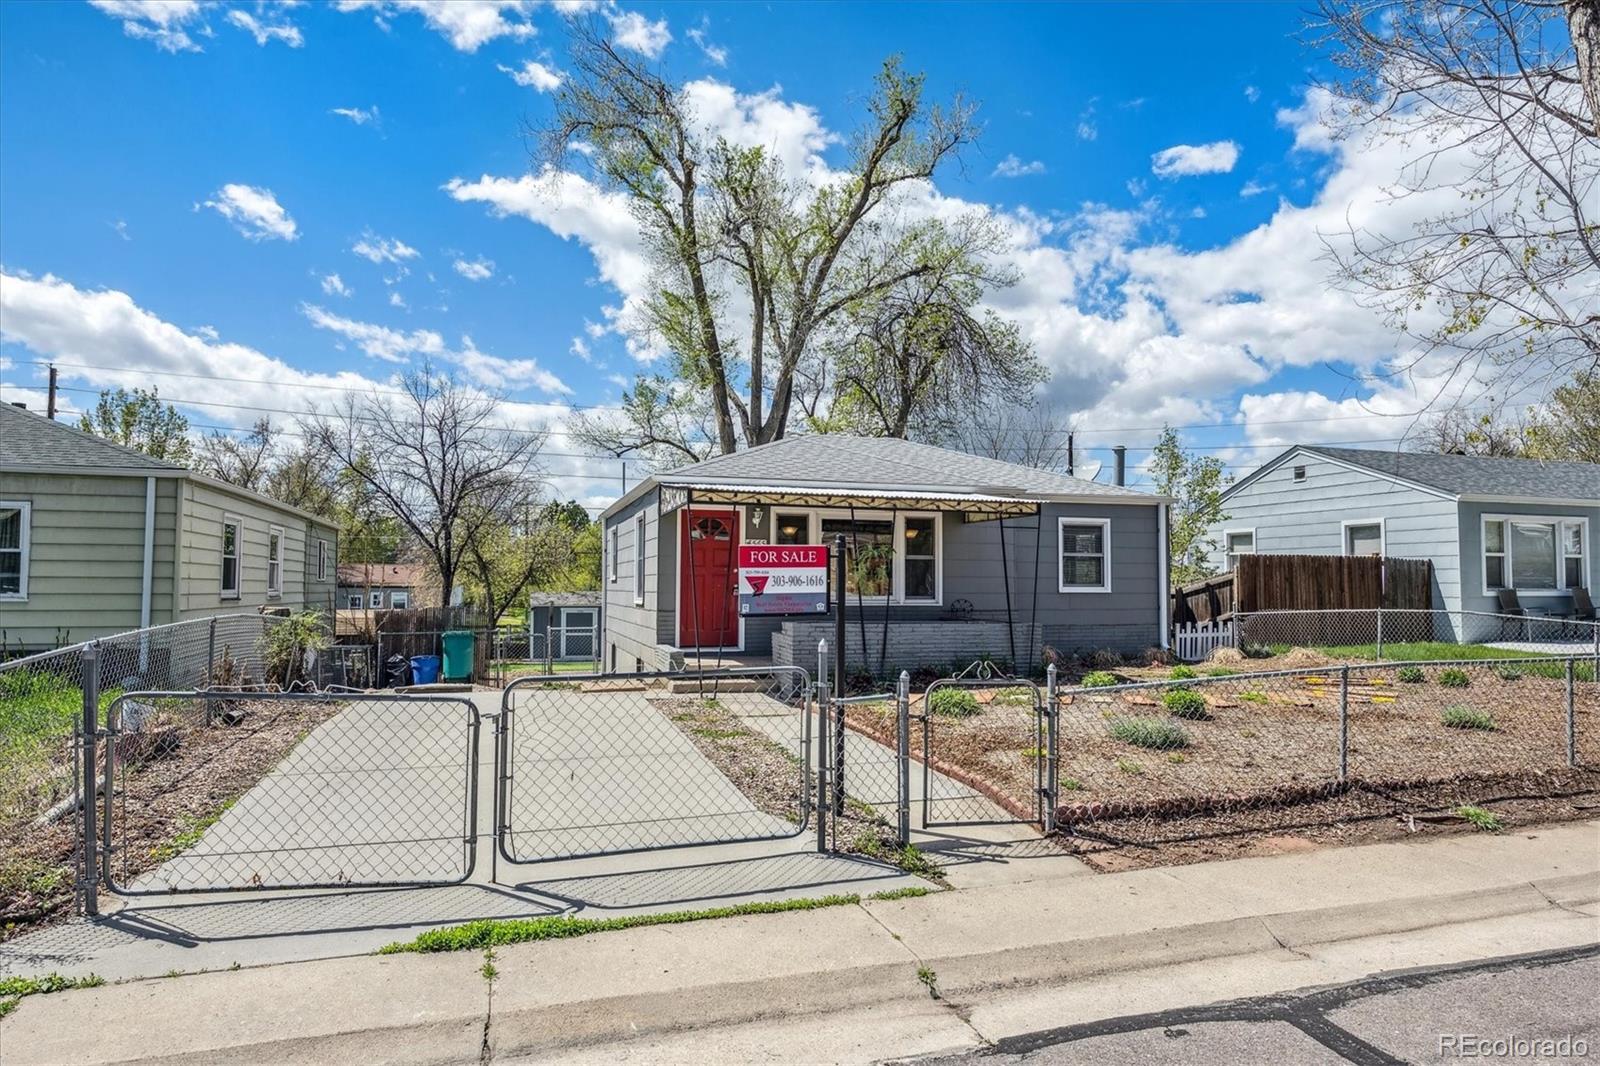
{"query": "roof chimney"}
(1121, 452)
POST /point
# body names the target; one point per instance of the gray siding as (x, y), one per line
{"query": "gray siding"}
(631, 629)
(1306, 518)
(1473, 596)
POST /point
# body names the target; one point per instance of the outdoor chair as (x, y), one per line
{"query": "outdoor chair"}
(1510, 605)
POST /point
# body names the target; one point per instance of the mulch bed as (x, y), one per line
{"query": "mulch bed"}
(176, 772)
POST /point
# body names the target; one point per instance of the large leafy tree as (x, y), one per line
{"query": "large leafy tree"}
(139, 420)
(753, 267)
(1498, 104)
(1568, 427)
(1195, 484)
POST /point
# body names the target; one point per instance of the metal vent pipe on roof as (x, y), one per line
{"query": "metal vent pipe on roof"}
(1121, 452)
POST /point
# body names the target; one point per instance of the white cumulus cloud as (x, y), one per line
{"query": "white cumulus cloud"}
(1013, 167)
(380, 342)
(633, 31)
(333, 285)
(383, 249)
(161, 22)
(478, 269)
(265, 32)
(1181, 160)
(466, 24)
(254, 212)
(714, 54)
(533, 75)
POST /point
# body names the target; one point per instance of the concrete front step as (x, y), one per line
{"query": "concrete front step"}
(695, 686)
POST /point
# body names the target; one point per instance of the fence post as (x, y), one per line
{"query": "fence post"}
(549, 652)
(1572, 713)
(89, 794)
(1344, 723)
(824, 712)
(1380, 633)
(903, 752)
(1051, 738)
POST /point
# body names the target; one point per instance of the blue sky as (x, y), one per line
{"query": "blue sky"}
(181, 186)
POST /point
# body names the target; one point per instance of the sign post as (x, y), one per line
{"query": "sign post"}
(783, 579)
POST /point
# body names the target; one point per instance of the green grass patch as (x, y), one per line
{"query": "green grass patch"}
(1182, 673)
(1071, 784)
(12, 989)
(1451, 677)
(717, 734)
(1177, 758)
(1157, 734)
(1253, 695)
(908, 892)
(1100, 679)
(1129, 767)
(194, 829)
(1487, 821)
(497, 932)
(953, 703)
(1410, 675)
(1508, 673)
(1034, 753)
(1185, 703)
(38, 709)
(1221, 671)
(1015, 696)
(1460, 716)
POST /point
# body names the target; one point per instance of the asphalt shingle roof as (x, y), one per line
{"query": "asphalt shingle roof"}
(33, 441)
(832, 460)
(1467, 475)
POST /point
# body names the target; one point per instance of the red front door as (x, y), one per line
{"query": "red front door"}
(708, 580)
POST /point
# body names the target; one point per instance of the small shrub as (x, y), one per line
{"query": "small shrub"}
(1071, 784)
(1128, 766)
(1100, 679)
(1460, 716)
(1410, 675)
(1454, 678)
(1015, 696)
(1182, 673)
(1253, 695)
(1487, 821)
(1186, 703)
(953, 703)
(1177, 757)
(1257, 651)
(1508, 673)
(1105, 657)
(1154, 733)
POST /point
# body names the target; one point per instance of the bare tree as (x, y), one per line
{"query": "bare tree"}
(1498, 433)
(1034, 435)
(751, 263)
(437, 459)
(244, 461)
(1500, 275)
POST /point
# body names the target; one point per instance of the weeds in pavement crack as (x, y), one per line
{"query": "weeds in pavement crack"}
(930, 979)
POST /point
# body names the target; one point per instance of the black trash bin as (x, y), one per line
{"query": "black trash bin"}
(397, 672)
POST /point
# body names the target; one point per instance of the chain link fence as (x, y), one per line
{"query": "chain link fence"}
(518, 652)
(602, 765)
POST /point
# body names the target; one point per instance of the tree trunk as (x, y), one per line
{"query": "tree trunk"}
(1583, 22)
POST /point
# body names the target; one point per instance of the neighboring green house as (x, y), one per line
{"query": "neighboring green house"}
(96, 539)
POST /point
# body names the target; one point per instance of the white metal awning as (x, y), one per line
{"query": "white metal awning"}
(969, 503)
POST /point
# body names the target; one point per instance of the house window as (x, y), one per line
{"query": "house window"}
(638, 558)
(868, 554)
(1085, 554)
(375, 599)
(232, 534)
(1534, 554)
(1237, 543)
(322, 560)
(1299, 473)
(274, 561)
(613, 545)
(353, 602)
(14, 523)
(920, 566)
(400, 599)
(1363, 538)
(792, 528)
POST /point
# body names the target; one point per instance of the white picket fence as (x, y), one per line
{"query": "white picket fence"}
(1194, 643)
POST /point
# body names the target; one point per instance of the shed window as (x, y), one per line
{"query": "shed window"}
(322, 560)
(14, 523)
(274, 561)
(1085, 554)
(231, 536)
(1363, 539)
(638, 558)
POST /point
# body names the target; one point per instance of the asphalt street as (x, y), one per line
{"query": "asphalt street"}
(1542, 1008)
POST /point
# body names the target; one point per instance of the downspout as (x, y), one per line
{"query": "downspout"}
(1165, 561)
(149, 569)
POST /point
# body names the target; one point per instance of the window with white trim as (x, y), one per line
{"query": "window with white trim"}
(274, 560)
(1364, 538)
(1534, 553)
(638, 558)
(612, 543)
(919, 562)
(353, 601)
(400, 599)
(1084, 554)
(375, 599)
(232, 543)
(15, 520)
(322, 560)
(1237, 543)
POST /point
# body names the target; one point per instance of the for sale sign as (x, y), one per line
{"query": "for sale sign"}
(783, 579)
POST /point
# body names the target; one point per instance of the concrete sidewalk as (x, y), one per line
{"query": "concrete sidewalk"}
(987, 948)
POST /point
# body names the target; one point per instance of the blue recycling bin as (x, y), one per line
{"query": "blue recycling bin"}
(424, 669)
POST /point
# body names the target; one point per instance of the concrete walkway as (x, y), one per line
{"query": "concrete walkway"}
(852, 983)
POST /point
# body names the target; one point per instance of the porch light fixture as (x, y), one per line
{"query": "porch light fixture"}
(758, 515)
(789, 529)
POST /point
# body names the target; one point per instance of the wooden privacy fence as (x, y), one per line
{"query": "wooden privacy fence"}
(1305, 583)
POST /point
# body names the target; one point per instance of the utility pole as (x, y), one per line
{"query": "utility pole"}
(1069, 453)
(50, 405)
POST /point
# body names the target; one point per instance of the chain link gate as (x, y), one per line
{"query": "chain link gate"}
(1018, 710)
(610, 764)
(228, 790)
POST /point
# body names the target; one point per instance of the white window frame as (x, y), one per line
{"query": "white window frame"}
(1299, 474)
(375, 600)
(352, 602)
(224, 592)
(24, 509)
(1562, 555)
(897, 576)
(1230, 559)
(1558, 522)
(613, 542)
(1383, 534)
(274, 566)
(322, 559)
(638, 559)
(1062, 523)
(400, 599)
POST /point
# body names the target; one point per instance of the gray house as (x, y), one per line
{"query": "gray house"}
(1486, 524)
(949, 557)
(98, 539)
